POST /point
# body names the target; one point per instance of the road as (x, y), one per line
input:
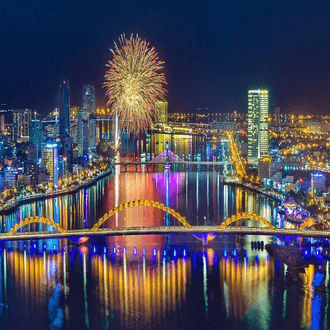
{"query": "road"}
(166, 230)
(177, 162)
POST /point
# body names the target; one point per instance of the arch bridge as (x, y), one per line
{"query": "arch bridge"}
(144, 202)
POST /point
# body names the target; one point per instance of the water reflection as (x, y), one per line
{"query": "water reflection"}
(201, 197)
(175, 287)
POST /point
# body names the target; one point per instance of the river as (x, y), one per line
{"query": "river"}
(154, 281)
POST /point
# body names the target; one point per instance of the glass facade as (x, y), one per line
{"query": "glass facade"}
(50, 161)
(258, 109)
(89, 98)
(64, 109)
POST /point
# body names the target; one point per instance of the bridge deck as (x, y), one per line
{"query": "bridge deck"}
(165, 230)
(178, 162)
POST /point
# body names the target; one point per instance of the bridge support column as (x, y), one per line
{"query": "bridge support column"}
(205, 241)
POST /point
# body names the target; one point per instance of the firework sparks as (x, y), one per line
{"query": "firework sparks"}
(134, 83)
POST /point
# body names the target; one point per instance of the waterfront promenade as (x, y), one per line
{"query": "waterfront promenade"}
(8, 207)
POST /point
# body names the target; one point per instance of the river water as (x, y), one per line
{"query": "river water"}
(154, 281)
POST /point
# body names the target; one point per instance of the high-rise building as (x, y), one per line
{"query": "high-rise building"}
(62, 166)
(92, 134)
(257, 125)
(21, 124)
(89, 98)
(73, 130)
(49, 156)
(36, 133)
(161, 112)
(31, 169)
(10, 175)
(98, 137)
(33, 153)
(82, 132)
(2, 124)
(318, 182)
(67, 154)
(64, 105)
(278, 115)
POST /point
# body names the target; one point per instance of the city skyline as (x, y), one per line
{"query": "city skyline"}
(164, 165)
(219, 53)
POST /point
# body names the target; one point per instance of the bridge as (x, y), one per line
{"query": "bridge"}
(177, 162)
(183, 226)
(162, 230)
(169, 157)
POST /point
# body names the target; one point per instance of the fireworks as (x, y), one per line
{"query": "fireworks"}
(134, 83)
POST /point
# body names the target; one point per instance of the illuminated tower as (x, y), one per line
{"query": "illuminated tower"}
(82, 132)
(161, 112)
(92, 134)
(49, 157)
(64, 106)
(21, 124)
(36, 133)
(257, 125)
(89, 98)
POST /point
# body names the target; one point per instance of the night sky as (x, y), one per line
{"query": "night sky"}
(214, 51)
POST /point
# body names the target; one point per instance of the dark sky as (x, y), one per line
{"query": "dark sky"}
(214, 51)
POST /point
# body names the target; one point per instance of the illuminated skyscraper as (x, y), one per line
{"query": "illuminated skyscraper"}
(92, 134)
(2, 124)
(49, 156)
(161, 112)
(64, 106)
(89, 98)
(36, 133)
(21, 124)
(82, 132)
(257, 125)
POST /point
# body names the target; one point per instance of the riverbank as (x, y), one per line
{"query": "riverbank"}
(10, 208)
(277, 197)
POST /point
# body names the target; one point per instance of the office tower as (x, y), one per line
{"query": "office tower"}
(33, 152)
(257, 125)
(161, 112)
(73, 130)
(49, 156)
(67, 154)
(21, 124)
(82, 132)
(31, 169)
(64, 105)
(318, 182)
(62, 166)
(278, 116)
(10, 176)
(89, 98)
(92, 134)
(2, 124)
(36, 133)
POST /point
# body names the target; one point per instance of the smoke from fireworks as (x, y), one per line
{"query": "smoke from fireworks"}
(134, 83)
